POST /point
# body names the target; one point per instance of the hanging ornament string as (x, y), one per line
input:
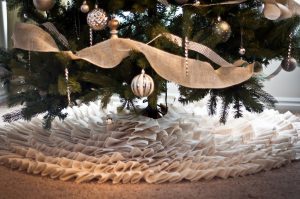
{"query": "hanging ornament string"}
(29, 59)
(242, 50)
(186, 55)
(91, 36)
(68, 86)
(290, 47)
(77, 25)
(288, 64)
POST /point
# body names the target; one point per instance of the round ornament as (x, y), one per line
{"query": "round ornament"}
(142, 85)
(289, 64)
(242, 51)
(85, 7)
(222, 29)
(97, 19)
(44, 5)
(181, 1)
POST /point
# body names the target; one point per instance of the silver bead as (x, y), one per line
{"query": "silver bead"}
(242, 51)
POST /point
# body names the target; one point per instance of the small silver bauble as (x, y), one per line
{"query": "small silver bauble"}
(142, 85)
(222, 29)
(85, 7)
(289, 64)
(25, 16)
(97, 19)
(44, 5)
(242, 51)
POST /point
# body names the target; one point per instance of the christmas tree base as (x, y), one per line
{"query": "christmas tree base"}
(129, 149)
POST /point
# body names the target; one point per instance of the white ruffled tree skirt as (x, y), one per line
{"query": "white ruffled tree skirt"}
(180, 146)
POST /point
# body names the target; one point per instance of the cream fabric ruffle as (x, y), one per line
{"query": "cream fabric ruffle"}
(180, 146)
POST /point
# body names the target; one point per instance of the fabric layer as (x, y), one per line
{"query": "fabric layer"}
(180, 146)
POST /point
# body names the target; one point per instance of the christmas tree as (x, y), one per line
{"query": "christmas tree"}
(233, 30)
(65, 56)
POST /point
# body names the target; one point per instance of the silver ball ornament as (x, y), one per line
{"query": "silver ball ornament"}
(142, 85)
(242, 51)
(289, 64)
(84, 7)
(44, 5)
(222, 29)
(97, 19)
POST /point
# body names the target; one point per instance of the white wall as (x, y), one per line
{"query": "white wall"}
(285, 87)
(12, 19)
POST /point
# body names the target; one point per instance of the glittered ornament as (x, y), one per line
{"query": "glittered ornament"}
(44, 5)
(142, 85)
(181, 1)
(97, 19)
(289, 64)
(222, 29)
(242, 51)
(85, 7)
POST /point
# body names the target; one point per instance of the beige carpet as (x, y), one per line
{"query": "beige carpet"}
(275, 184)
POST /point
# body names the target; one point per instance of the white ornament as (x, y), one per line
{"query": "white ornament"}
(242, 51)
(142, 85)
(97, 19)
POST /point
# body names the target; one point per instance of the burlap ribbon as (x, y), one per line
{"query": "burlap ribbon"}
(110, 53)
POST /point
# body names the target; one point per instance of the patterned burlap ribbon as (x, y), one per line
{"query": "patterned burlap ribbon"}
(110, 53)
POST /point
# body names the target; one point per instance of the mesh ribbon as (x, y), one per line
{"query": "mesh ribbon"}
(110, 53)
